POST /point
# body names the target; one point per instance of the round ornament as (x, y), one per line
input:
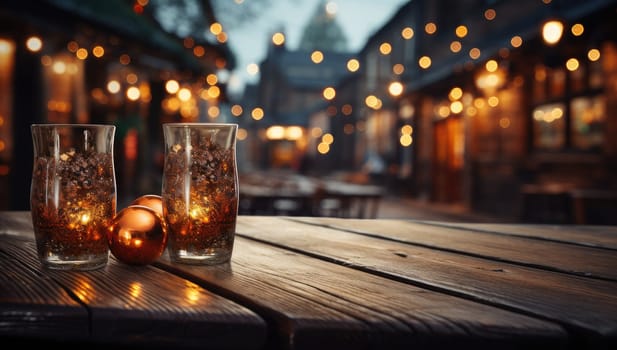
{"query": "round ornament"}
(137, 235)
(150, 200)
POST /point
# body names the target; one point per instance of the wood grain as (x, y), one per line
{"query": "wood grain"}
(587, 306)
(317, 304)
(518, 249)
(598, 236)
(117, 305)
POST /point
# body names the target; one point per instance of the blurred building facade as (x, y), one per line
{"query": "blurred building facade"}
(490, 114)
(466, 102)
(70, 61)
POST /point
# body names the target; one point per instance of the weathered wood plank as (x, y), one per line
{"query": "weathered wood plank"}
(587, 235)
(586, 306)
(119, 304)
(574, 259)
(31, 303)
(316, 304)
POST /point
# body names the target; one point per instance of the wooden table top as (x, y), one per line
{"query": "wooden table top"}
(329, 283)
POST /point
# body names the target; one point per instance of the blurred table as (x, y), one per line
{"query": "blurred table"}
(297, 195)
(329, 283)
(556, 203)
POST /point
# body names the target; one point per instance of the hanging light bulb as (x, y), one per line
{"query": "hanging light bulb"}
(552, 30)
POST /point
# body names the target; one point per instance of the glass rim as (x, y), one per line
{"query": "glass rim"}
(64, 125)
(189, 124)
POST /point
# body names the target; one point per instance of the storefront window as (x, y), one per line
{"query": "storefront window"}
(549, 126)
(588, 122)
(569, 114)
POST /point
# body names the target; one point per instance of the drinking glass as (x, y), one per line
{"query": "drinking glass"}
(200, 191)
(72, 194)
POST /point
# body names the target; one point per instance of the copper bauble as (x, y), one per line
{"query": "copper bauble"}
(137, 235)
(152, 201)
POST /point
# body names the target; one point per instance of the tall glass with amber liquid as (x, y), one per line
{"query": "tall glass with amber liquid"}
(72, 194)
(200, 191)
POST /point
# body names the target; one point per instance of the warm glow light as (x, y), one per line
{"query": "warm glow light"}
(461, 31)
(59, 67)
(133, 93)
(398, 69)
(504, 123)
(214, 91)
(131, 78)
(293, 133)
(353, 65)
(316, 132)
(405, 140)
(242, 134)
(455, 94)
(430, 28)
(278, 38)
(125, 59)
(6, 47)
(395, 88)
(490, 14)
(516, 41)
(172, 86)
(572, 64)
(34, 44)
(456, 107)
(407, 111)
(81, 53)
(455, 46)
(552, 31)
(236, 110)
(385, 48)
(323, 148)
(216, 28)
(221, 37)
(257, 113)
(406, 129)
(443, 111)
(371, 100)
(252, 69)
(317, 56)
(346, 109)
(407, 33)
(329, 93)
(331, 8)
(184, 94)
(72, 46)
(214, 111)
(98, 51)
(211, 79)
(199, 51)
(113, 86)
(593, 54)
(493, 101)
(471, 111)
(491, 66)
(577, 29)
(474, 53)
(327, 138)
(424, 62)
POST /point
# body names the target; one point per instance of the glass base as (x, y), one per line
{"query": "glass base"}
(75, 265)
(214, 258)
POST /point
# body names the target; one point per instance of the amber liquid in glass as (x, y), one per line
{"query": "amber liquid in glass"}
(200, 202)
(73, 199)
